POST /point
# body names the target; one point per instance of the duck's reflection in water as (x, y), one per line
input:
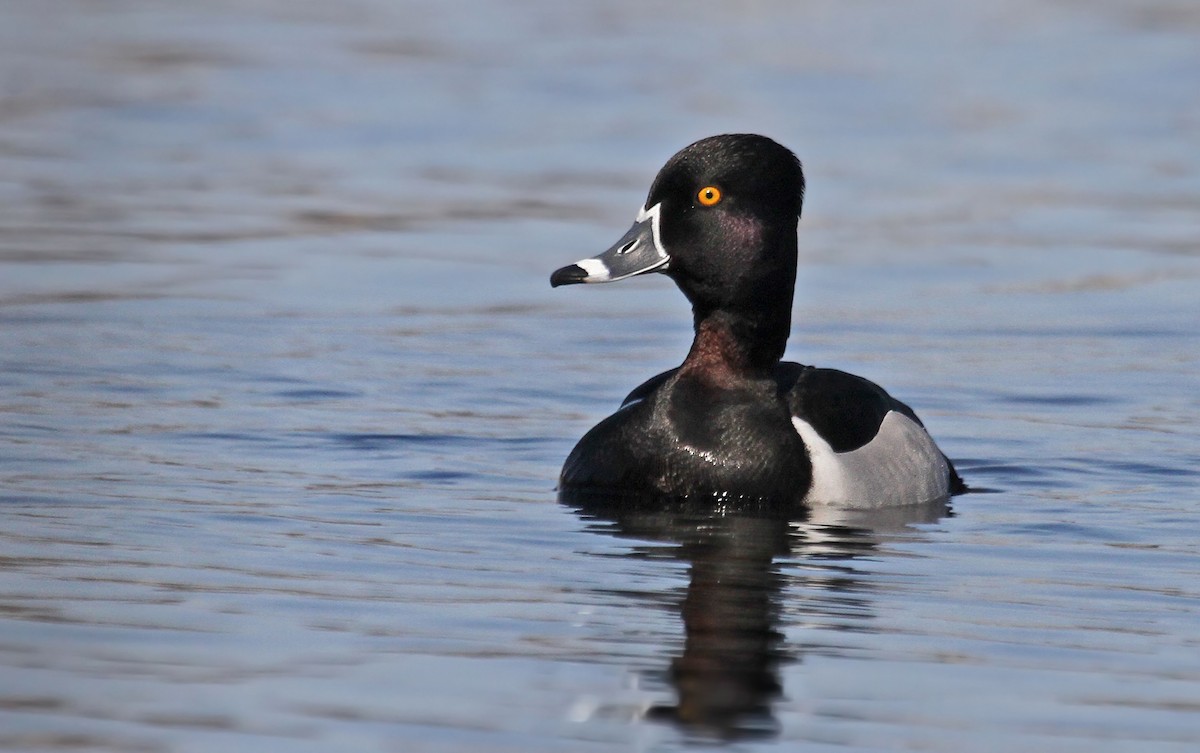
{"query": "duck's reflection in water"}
(727, 678)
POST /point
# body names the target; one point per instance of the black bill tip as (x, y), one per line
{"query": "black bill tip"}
(568, 275)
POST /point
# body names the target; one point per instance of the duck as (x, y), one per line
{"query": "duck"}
(734, 421)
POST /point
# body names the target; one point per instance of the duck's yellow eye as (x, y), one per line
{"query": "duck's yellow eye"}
(709, 195)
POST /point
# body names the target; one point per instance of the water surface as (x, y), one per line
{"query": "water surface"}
(284, 390)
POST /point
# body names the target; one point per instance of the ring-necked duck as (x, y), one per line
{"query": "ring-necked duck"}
(734, 421)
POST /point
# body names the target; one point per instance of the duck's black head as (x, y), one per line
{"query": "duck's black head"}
(720, 220)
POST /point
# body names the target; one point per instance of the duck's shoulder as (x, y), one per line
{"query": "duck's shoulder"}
(644, 390)
(845, 409)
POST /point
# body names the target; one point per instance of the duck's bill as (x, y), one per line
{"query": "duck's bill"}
(639, 251)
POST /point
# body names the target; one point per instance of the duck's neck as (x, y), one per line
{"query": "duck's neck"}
(740, 343)
(742, 324)
(730, 344)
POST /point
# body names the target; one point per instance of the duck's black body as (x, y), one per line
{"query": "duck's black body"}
(733, 421)
(686, 437)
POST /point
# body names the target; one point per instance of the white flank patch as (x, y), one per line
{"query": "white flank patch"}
(900, 466)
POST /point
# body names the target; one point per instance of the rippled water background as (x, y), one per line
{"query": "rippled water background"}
(284, 389)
